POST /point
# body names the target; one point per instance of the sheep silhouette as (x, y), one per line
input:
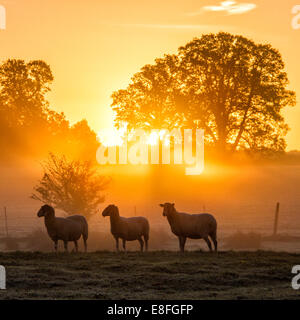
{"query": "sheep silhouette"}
(193, 226)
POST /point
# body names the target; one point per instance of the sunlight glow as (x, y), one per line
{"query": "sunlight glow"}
(154, 137)
(112, 136)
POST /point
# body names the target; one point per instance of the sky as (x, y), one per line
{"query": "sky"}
(95, 46)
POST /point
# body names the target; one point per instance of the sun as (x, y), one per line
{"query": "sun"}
(110, 137)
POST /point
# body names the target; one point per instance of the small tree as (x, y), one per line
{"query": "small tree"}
(73, 186)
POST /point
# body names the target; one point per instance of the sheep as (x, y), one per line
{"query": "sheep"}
(66, 229)
(193, 226)
(128, 229)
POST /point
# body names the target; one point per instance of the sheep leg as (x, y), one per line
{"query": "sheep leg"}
(85, 244)
(141, 243)
(124, 244)
(55, 245)
(182, 241)
(66, 246)
(180, 245)
(76, 245)
(208, 243)
(213, 237)
(146, 242)
(215, 243)
(117, 244)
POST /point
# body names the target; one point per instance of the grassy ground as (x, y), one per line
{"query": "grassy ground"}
(153, 275)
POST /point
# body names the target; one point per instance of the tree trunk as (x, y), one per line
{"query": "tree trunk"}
(242, 125)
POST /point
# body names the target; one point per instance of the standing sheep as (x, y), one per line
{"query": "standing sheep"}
(193, 226)
(66, 229)
(128, 229)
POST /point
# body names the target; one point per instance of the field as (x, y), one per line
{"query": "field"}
(243, 205)
(153, 275)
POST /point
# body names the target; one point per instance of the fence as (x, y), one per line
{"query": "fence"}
(22, 220)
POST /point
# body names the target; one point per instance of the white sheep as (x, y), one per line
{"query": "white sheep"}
(193, 226)
(66, 229)
(128, 229)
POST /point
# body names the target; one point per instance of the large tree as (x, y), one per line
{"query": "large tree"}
(228, 85)
(23, 87)
(25, 116)
(27, 123)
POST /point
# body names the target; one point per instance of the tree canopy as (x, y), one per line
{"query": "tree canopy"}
(226, 84)
(23, 89)
(73, 186)
(27, 123)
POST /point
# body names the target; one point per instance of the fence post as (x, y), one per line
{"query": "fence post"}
(6, 226)
(276, 219)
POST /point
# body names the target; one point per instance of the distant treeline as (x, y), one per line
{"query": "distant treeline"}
(30, 128)
(28, 125)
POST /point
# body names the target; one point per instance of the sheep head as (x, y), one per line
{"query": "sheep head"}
(110, 210)
(45, 211)
(169, 208)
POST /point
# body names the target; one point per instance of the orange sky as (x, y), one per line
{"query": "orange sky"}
(95, 46)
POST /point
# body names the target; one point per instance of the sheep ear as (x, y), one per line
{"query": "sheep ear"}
(161, 205)
(173, 204)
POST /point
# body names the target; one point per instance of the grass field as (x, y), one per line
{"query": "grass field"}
(153, 275)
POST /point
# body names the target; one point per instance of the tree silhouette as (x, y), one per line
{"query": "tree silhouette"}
(73, 186)
(27, 123)
(83, 141)
(23, 88)
(228, 85)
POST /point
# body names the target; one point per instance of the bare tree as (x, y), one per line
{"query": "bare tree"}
(73, 186)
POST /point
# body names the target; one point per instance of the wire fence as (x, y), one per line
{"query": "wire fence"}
(21, 220)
